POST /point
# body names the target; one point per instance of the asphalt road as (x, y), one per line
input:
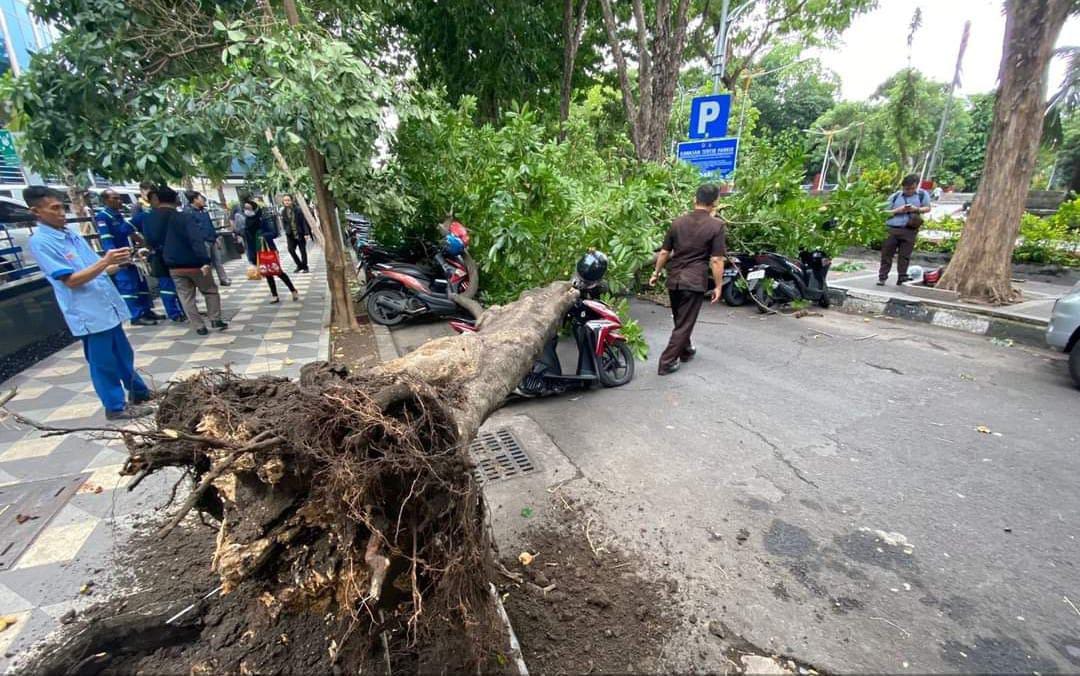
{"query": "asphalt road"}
(859, 495)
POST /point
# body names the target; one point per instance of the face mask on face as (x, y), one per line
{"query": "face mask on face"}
(249, 212)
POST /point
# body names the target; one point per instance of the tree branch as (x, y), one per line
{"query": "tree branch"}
(624, 79)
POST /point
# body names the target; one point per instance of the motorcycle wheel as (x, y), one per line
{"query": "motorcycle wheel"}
(824, 302)
(733, 295)
(381, 315)
(616, 365)
(763, 300)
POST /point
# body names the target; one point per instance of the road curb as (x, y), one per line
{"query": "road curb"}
(384, 343)
(862, 302)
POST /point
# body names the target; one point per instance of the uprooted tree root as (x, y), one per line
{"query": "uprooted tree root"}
(344, 495)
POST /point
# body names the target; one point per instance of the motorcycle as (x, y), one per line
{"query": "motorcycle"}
(777, 279)
(372, 256)
(735, 292)
(398, 291)
(603, 355)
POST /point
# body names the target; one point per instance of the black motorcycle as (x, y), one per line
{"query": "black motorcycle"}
(777, 279)
(735, 291)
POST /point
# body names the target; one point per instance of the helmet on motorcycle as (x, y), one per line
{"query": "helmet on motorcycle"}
(592, 266)
(453, 245)
(915, 273)
(460, 231)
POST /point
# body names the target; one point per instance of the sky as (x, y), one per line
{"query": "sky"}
(875, 46)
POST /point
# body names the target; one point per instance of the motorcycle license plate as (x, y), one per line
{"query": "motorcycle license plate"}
(756, 274)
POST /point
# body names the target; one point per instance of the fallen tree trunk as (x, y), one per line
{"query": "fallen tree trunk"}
(351, 498)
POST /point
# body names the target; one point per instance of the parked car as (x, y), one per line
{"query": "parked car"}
(1064, 330)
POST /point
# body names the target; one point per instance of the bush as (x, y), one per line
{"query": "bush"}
(1047, 241)
(947, 244)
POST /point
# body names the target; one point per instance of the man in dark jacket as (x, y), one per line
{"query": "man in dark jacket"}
(297, 230)
(694, 245)
(197, 208)
(183, 246)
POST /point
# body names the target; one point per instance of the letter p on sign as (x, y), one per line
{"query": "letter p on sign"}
(709, 116)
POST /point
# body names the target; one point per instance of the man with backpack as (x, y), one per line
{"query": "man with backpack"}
(907, 206)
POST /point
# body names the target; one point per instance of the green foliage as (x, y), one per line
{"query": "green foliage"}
(791, 94)
(1068, 214)
(950, 227)
(631, 330)
(533, 206)
(1047, 241)
(772, 212)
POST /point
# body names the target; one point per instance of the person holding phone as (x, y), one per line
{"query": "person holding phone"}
(906, 207)
(92, 307)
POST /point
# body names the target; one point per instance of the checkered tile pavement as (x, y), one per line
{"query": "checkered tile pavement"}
(80, 543)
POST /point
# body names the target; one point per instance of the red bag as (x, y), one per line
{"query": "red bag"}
(269, 263)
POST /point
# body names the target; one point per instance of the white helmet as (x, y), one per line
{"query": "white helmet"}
(915, 272)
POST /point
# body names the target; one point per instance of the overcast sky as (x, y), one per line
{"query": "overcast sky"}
(875, 46)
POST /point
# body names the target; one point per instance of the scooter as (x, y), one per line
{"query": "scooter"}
(735, 291)
(399, 291)
(603, 356)
(371, 256)
(777, 279)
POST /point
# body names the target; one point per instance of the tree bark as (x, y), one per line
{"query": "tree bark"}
(573, 30)
(342, 315)
(659, 47)
(982, 266)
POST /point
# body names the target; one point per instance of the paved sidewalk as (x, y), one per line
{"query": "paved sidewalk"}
(79, 543)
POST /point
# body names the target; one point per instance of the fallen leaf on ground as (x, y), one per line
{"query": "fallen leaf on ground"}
(6, 621)
(526, 512)
(86, 588)
(23, 518)
(983, 429)
(525, 558)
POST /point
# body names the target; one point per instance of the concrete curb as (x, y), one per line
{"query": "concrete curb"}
(384, 343)
(927, 312)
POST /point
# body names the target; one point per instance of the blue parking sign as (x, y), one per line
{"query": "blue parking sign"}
(712, 157)
(709, 116)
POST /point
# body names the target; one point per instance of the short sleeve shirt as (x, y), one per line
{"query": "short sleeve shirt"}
(920, 198)
(693, 239)
(93, 307)
(115, 231)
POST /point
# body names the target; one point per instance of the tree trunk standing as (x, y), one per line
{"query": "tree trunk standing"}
(982, 266)
(660, 47)
(573, 30)
(341, 309)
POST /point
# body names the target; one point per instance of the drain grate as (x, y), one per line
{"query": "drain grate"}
(499, 455)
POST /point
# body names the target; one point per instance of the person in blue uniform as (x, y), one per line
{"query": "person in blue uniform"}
(90, 303)
(166, 286)
(117, 233)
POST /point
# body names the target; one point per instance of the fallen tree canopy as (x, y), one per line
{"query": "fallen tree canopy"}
(347, 500)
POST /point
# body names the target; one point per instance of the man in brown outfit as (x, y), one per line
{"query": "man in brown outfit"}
(694, 244)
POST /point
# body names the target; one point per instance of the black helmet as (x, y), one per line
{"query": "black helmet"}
(592, 266)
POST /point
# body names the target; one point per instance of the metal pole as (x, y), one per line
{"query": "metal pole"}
(825, 162)
(720, 51)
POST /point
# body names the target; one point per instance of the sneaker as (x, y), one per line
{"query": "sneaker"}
(155, 316)
(299, 268)
(305, 269)
(219, 324)
(179, 319)
(129, 413)
(203, 331)
(225, 283)
(141, 397)
(880, 282)
(295, 296)
(143, 321)
(668, 370)
(900, 280)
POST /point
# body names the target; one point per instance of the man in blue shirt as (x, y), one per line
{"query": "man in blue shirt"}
(166, 286)
(197, 208)
(906, 207)
(92, 307)
(116, 233)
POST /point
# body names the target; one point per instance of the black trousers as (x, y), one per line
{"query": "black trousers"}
(294, 244)
(685, 306)
(273, 285)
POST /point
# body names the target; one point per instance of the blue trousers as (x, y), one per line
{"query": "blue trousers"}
(112, 367)
(167, 289)
(134, 291)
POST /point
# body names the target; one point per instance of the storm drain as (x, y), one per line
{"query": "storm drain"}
(499, 455)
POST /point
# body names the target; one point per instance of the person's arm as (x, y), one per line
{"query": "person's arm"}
(195, 234)
(717, 253)
(105, 232)
(924, 208)
(107, 263)
(663, 257)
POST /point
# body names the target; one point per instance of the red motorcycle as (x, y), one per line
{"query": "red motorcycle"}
(603, 355)
(397, 291)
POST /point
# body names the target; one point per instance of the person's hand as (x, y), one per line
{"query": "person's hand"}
(117, 256)
(654, 278)
(112, 269)
(205, 269)
(715, 296)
